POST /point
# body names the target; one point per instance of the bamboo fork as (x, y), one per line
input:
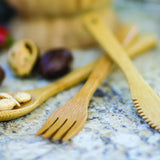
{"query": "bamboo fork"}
(144, 98)
(69, 119)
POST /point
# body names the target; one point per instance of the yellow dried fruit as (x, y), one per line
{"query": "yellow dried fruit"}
(22, 57)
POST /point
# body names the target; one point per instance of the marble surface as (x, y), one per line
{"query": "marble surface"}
(114, 130)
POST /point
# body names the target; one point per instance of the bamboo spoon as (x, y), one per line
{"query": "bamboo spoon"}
(40, 95)
(144, 98)
(69, 119)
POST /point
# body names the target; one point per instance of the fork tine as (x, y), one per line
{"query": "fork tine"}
(63, 130)
(73, 131)
(51, 120)
(54, 128)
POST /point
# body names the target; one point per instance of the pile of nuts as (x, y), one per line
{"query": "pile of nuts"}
(8, 102)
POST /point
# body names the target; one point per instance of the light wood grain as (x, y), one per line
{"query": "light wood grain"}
(75, 110)
(69, 119)
(39, 95)
(144, 98)
(129, 30)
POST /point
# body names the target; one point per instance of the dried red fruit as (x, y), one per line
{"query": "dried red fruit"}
(2, 75)
(5, 37)
(55, 63)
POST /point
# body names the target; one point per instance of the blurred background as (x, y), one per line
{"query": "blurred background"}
(59, 26)
(6, 12)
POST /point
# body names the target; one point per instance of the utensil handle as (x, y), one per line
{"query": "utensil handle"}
(110, 44)
(67, 81)
(105, 64)
(79, 75)
(103, 67)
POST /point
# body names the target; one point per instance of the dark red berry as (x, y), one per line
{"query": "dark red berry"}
(55, 63)
(3, 35)
(5, 38)
(2, 75)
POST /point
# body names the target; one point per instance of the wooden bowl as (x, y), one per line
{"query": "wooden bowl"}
(59, 32)
(55, 7)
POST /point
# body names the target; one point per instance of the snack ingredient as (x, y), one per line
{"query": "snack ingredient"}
(22, 57)
(5, 38)
(2, 75)
(55, 63)
(22, 97)
(7, 102)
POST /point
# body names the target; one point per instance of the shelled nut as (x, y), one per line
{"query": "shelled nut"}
(22, 97)
(7, 104)
(5, 96)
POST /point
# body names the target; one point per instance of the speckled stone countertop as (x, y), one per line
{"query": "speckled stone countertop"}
(114, 130)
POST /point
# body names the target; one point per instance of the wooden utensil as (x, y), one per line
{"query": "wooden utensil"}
(69, 119)
(129, 30)
(39, 95)
(144, 98)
